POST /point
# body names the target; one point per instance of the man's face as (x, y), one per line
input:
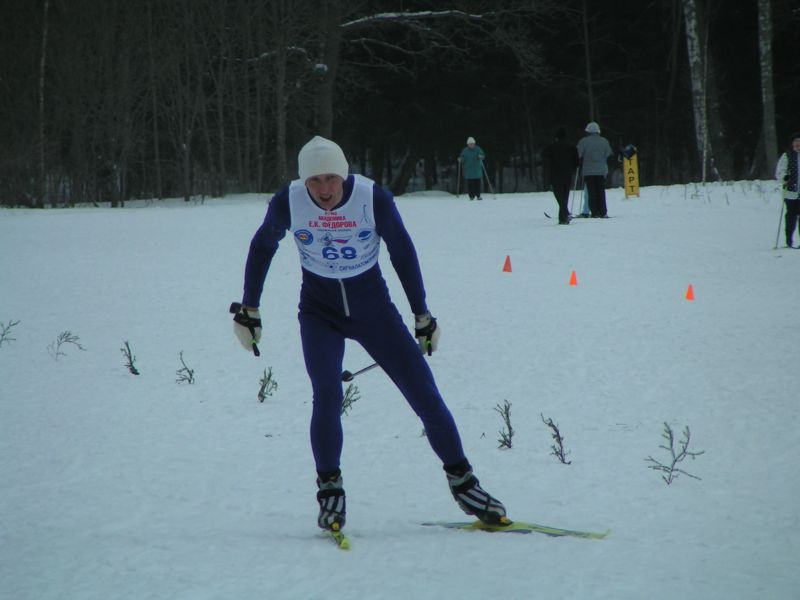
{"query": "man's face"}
(326, 190)
(471, 144)
(796, 144)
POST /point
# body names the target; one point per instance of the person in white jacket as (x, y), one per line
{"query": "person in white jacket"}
(787, 171)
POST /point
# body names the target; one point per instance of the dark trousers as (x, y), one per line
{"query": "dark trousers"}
(561, 192)
(388, 341)
(596, 185)
(474, 188)
(792, 218)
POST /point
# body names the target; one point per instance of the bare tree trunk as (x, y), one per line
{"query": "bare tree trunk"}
(249, 127)
(377, 157)
(184, 98)
(259, 136)
(399, 184)
(661, 166)
(154, 102)
(529, 138)
(770, 137)
(673, 61)
(719, 155)
(279, 11)
(697, 70)
(588, 61)
(332, 36)
(40, 201)
(124, 127)
(222, 81)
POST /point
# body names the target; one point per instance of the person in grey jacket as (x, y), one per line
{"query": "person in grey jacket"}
(594, 152)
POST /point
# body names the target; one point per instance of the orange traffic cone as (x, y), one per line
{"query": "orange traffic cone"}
(690, 292)
(573, 279)
(507, 266)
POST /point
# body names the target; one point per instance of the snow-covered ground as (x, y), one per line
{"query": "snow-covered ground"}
(115, 486)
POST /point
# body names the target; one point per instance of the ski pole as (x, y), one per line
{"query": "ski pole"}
(458, 182)
(780, 219)
(487, 179)
(348, 376)
(574, 188)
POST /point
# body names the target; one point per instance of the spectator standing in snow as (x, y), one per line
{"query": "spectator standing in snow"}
(471, 160)
(338, 221)
(787, 171)
(560, 160)
(594, 152)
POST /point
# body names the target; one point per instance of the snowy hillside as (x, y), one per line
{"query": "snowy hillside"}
(117, 486)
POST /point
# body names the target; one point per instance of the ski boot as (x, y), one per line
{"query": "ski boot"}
(472, 498)
(331, 501)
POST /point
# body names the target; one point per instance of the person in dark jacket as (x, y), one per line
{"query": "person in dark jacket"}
(594, 152)
(560, 160)
(338, 221)
(787, 171)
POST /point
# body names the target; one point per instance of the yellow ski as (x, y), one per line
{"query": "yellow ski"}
(341, 540)
(520, 527)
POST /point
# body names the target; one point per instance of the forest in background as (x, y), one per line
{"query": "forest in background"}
(107, 101)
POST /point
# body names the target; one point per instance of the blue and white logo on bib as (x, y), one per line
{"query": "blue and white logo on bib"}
(304, 236)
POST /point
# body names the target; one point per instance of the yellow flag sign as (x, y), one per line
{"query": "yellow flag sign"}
(630, 166)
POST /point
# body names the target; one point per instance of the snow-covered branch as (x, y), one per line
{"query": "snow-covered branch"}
(395, 17)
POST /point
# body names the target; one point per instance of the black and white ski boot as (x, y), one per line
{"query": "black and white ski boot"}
(472, 498)
(332, 514)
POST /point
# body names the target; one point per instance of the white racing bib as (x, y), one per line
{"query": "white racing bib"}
(338, 243)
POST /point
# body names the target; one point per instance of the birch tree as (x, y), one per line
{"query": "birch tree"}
(769, 135)
(710, 138)
(697, 72)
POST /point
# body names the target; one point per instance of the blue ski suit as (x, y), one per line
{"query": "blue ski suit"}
(335, 307)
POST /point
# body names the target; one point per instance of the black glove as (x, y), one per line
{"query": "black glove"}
(247, 326)
(427, 333)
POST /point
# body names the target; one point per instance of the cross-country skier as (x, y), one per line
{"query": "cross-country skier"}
(338, 221)
(787, 171)
(471, 160)
(560, 160)
(594, 151)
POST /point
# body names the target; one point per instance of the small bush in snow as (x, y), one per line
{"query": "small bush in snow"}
(507, 432)
(268, 385)
(558, 446)
(130, 359)
(185, 374)
(5, 331)
(65, 337)
(671, 470)
(350, 396)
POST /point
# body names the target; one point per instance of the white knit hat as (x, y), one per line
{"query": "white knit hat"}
(470, 140)
(592, 128)
(321, 156)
